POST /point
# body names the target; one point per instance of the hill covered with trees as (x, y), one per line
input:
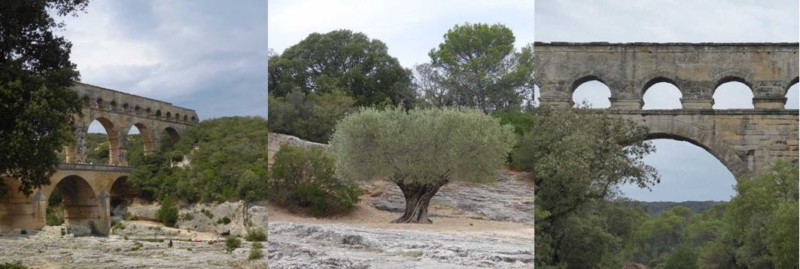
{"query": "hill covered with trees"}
(227, 161)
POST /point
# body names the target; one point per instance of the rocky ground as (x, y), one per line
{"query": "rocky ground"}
(143, 243)
(474, 226)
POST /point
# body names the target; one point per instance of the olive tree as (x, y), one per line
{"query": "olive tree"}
(420, 150)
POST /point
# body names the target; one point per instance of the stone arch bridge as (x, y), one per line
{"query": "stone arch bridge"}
(89, 190)
(746, 141)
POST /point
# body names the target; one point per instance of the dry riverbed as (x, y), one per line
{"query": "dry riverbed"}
(146, 249)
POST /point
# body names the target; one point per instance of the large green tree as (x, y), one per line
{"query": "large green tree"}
(478, 66)
(578, 159)
(420, 150)
(36, 105)
(762, 219)
(341, 61)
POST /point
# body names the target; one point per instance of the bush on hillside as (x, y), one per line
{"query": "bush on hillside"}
(304, 178)
(168, 213)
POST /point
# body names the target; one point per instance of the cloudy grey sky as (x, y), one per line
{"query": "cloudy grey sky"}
(207, 55)
(688, 172)
(409, 28)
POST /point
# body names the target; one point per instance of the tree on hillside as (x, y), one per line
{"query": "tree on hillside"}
(36, 105)
(577, 160)
(341, 61)
(420, 150)
(477, 66)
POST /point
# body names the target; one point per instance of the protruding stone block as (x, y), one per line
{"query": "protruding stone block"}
(697, 103)
(769, 103)
(556, 102)
(626, 104)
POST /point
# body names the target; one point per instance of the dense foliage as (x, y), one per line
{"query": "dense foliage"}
(477, 66)
(303, 178)
(221, 159)
(341, 61)
(310, 116)
(578, 160)
(36, 105)
(756, 229)
(420, 150)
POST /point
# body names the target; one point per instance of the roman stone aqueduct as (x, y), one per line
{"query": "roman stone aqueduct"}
(746, 141)
(89, 190)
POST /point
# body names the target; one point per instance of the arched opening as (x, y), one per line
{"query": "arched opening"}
(591, 92)
(100, 104)
(139, 144)
(172, 134)
(661, 93)
(792, 95)
(535, 102)
(733, 93)
(102, 142)
(122, 195)
(72, 203)
(689, 172)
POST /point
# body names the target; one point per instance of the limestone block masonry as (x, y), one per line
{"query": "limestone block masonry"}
(746, 141)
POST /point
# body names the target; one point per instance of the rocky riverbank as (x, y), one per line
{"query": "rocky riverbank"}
(145, 244)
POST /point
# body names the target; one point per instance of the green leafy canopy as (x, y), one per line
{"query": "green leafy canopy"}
(420, 145)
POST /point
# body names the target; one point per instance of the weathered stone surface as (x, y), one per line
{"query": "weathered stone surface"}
(296, 245)
(629, 69)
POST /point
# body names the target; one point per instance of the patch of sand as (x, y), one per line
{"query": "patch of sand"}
(366, 216)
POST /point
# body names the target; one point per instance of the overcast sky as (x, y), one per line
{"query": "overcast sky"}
(688, 172)
(409, 28)
(208, 55)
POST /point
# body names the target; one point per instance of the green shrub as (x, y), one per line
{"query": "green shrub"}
(207, 213)
(255, 251)
(15, 265)
(256, 235)
(521, 121)
(54, 215)
(304, 178)
(187, 216)
(168, 213)
(232, 243)
(224, 220)
(116, 225)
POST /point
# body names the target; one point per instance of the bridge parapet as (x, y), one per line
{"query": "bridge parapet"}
(94, 167)
(696, 69)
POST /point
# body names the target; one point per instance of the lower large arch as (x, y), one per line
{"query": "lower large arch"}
(682, 131)
(121, 196)
(83, 212)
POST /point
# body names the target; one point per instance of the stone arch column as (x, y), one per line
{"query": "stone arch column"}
(697, 94)
(624, 96)
(103, 225)
(555, 94)
(769, 94)
(76, 152)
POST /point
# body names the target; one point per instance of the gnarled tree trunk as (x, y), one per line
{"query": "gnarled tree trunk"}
(418, 197)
